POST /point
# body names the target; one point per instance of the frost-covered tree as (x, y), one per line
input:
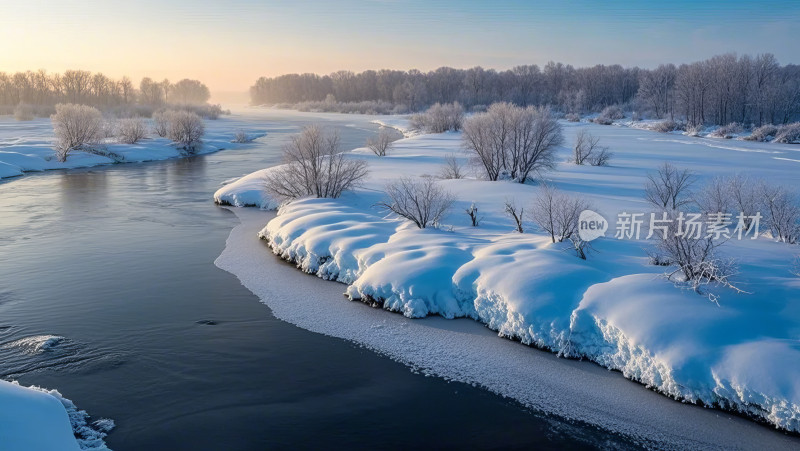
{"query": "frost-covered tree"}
(422, 201)
(77, 127)
(439, 118)
(131, 130)
(185, 128)
(314, 166)
(783, 212)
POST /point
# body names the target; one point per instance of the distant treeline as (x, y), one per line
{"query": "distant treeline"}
(42, 90)
(719, 90)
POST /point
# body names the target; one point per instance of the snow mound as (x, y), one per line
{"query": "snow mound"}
(33, 418)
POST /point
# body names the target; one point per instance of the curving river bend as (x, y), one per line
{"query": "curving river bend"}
(109, 293)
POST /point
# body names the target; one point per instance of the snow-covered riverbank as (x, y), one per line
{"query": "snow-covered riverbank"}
(33, 418)
(28, 147)
(614, 309)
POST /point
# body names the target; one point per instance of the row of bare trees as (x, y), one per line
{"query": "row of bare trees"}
(723, 89)
(557, 84)
(719, 90)
(41, 88)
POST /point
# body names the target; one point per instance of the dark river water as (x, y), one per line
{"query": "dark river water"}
(112, 268)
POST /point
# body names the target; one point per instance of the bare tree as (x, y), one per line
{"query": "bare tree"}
(557, 213)
(380, 144)
(77, 127)
(185, 128)
(588, 150)
(783, 212)
(452, 168)
(313, 166)
(421, 201)
(511, 140)
(516, 212)
(669, 188)
(131, 130)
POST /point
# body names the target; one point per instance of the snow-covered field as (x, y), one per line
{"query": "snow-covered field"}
(27, 146)
(613, 308)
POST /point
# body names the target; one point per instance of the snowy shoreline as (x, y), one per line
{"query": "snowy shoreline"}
(613, 309)
(466, 351)
(28, 147)
(41, 419)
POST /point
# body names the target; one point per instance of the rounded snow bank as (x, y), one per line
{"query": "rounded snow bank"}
(32, 418)
(247, 191)
(740, 356)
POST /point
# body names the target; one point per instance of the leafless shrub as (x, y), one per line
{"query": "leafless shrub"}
(23, 112)
(313, 166)
(421, 201)
(609, 115)
(161, 123)
(694, 130)
(472, 212)
(587, 149)
(517, 214)
(667, 126)
(131, 130)
(788, 133)
(745, 197)
(511, 140)
(242, 136)
(602, 157)
(439, 118)
(728, 131)
(452, 168)
(763, 133)
(783, 212)
(715, 196)
(109, 128)
(557, 213)
(694, 256)
(185, 128)
(669, 188)
(380, 144)
(77, 127)
(572, 117)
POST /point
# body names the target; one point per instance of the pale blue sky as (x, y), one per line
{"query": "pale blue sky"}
(229, 44)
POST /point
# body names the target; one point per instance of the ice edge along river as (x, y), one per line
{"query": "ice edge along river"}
(465, 351)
